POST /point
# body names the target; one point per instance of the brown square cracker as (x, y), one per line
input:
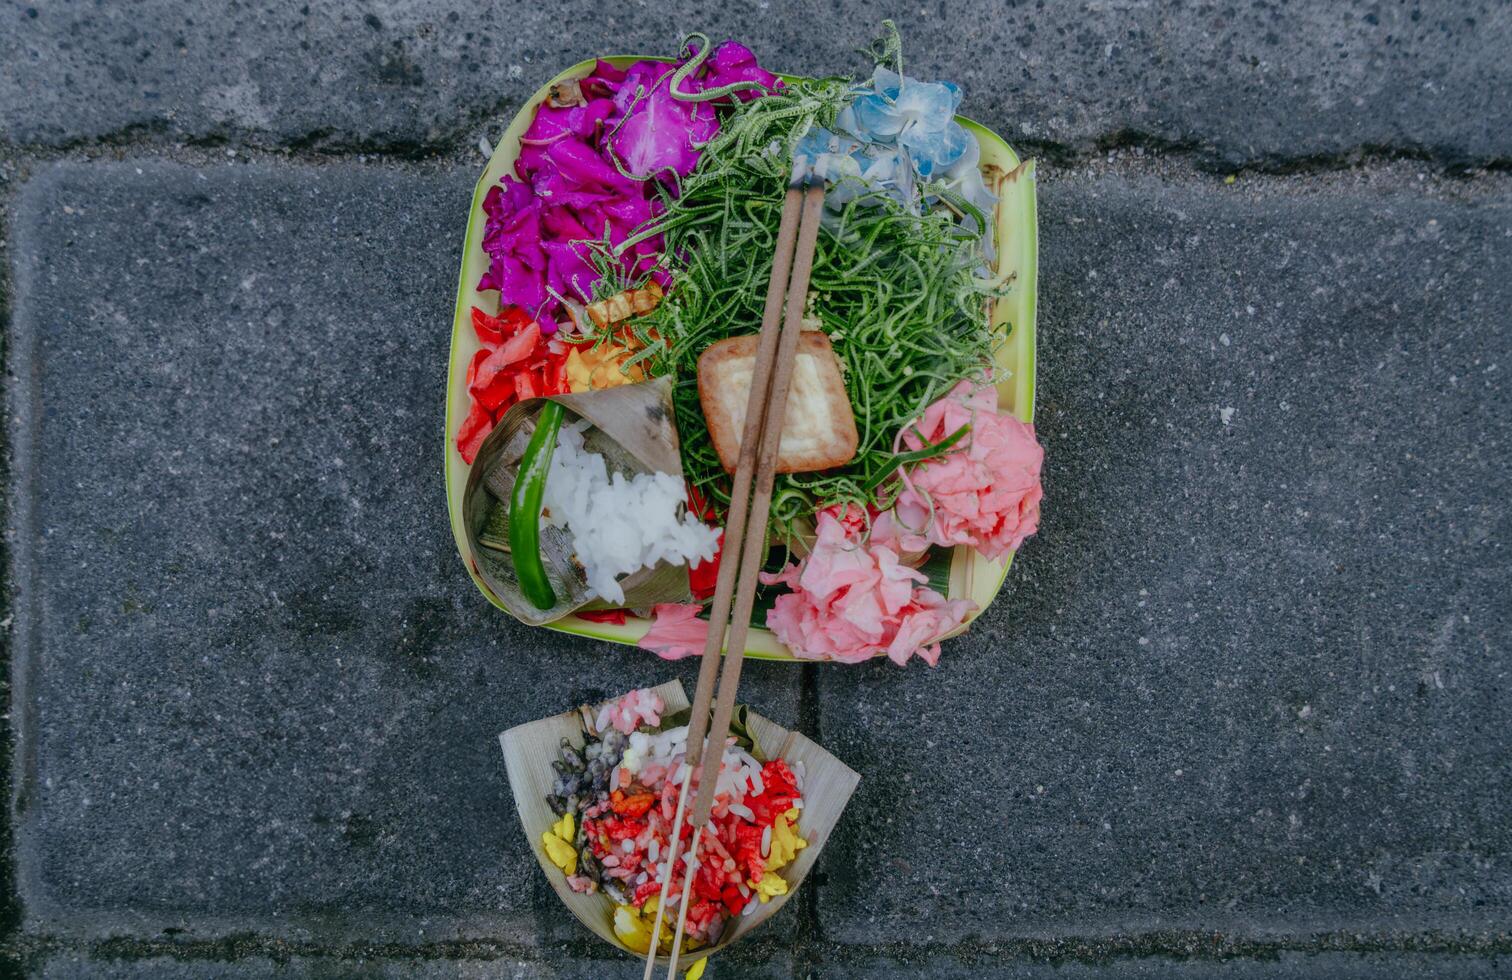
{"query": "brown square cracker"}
(819, 431)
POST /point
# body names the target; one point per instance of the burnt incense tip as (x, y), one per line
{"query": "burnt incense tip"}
(807, 174)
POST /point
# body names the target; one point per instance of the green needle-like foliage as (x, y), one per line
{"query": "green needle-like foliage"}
(898, 293)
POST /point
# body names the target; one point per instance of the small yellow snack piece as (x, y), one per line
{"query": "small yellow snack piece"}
(563, 828)
(631, 929)
(771, 884)
(560, 852)
(696, 970)
(593, 369)
(622, 306)
(785, 841)
(634, 928)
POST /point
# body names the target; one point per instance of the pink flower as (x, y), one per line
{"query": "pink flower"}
(985, 492)
(851, 601)
(677, 632)
(641, 706)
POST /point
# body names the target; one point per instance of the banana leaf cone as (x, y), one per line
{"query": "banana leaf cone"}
(530, 749)
(632, 428)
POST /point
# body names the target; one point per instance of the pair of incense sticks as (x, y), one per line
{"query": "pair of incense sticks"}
(745, 537)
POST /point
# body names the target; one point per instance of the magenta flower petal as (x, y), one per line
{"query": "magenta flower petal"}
(520, 284)
(505, 198)
(552, 122)
(653, 131)
(511, 238)
(661, 133)
(568, 271)
(606, 73)
(578, 162)
(561, 223)
(532, 160)
(733, 62)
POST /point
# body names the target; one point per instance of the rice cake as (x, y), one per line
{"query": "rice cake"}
(819, 430)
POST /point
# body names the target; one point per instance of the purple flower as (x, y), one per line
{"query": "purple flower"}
(578, 185)
(733, 62)
(655, 132)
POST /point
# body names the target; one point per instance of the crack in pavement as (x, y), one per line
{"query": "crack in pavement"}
(1172, 944)
(325, 145)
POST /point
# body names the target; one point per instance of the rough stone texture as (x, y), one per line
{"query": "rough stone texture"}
(1284, 966)
(1251, 677)
(731, 966)
(1254, 81)
(1250, 683)
(259, 690)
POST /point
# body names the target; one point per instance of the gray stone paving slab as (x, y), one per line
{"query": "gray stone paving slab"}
(1253, 675)
(1252, 81)
(74, 966)
(1281, 966)
(259, 691)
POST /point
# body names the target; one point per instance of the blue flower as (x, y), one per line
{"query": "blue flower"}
(824, 152)
(853, 168)
(964, 177)
(896, 132)
(917, 116)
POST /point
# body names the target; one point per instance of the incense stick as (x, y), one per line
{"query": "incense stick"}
(766, 411)
(735, 529)
(755, 547)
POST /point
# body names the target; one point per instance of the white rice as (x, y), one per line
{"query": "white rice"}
(766, 841)
(620, 526)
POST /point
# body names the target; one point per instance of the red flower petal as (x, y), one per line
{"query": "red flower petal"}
(703, 577)
(471, 433)
(514, 319)
(472, 366)
(492, 383)
(699, 507)
(615, 616)
(488, 328)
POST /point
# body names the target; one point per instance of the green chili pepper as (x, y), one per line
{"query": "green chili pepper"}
(525, 508)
